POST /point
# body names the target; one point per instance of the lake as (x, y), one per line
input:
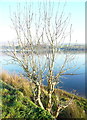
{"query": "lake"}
(69, 82)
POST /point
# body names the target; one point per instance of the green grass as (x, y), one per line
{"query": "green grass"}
(17, 82)
(16, 105)
(17, 95)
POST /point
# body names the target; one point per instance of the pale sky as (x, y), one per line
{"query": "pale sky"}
(75, 7)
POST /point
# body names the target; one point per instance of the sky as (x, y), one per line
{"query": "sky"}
(75, 7)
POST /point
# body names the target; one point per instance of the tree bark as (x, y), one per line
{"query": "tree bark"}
(38, 96)
(49, 96)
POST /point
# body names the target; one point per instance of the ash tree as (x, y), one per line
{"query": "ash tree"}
(41, 29)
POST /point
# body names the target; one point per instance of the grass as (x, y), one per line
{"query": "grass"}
(16, 105)
(23, 90)
(17, 82)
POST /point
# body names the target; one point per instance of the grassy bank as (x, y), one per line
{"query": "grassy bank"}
(16, 105)
(17, 100)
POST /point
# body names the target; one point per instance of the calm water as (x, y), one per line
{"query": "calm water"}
(69, 83)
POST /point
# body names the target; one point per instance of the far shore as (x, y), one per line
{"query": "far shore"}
(42, 49)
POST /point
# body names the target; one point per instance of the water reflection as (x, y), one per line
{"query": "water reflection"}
(69, 83)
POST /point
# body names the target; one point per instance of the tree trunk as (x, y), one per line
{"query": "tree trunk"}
(49, 95)
(38, 96)
(57, 112)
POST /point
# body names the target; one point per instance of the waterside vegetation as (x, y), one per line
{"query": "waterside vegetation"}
(17, 100)
(43, 48)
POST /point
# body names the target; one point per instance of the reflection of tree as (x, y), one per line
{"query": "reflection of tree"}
(35, 29)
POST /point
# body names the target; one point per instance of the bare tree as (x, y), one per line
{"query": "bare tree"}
(41, 32)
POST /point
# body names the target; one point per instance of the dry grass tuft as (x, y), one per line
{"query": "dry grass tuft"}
(17, 82)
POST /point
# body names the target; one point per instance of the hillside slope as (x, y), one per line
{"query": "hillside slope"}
(16, 105)
(17, 102)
